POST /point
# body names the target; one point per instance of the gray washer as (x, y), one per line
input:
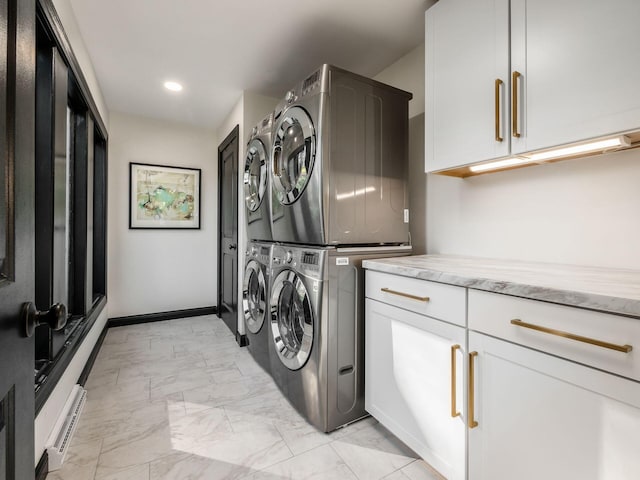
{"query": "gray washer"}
(316, 327)
(255, 301)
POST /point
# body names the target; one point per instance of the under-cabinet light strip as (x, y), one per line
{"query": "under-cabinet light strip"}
(507, 162)
(616, 142)
(590, 147)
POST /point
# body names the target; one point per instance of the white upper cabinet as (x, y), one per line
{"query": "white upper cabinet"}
(507, 77)
(580, 74)
(467, 50)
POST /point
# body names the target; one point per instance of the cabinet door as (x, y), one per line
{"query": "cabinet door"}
(466, 50)
(408, 379)
(580, 72)
(540, 416)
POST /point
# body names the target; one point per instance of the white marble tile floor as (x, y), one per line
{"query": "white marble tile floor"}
(179, 400)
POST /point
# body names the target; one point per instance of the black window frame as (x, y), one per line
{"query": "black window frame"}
(88, 141)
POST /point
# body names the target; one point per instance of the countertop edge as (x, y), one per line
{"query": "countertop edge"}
(590, 301)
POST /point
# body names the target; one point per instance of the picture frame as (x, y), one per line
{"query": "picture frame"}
(162, 196)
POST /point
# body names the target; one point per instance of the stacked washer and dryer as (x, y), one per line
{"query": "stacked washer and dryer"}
(255, 292)
(336, 194)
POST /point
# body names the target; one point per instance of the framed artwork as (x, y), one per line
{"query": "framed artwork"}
(163, 197)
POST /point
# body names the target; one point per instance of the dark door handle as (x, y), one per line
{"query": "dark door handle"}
(232, 246)
(55, 317)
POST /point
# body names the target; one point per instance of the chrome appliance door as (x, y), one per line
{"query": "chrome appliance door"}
(292, 320)
(255, 175)
(294, 152)
(254, 297)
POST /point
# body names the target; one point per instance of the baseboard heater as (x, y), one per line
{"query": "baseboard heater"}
(60, 437)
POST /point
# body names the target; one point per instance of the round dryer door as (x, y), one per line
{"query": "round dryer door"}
(291, 320)
(254, 297)
(294, 151)
(255, 174)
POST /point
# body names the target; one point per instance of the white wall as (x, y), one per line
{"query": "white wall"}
(234, 118)
(153, 270)
(408, 74)
(68, 19)
(582, 212)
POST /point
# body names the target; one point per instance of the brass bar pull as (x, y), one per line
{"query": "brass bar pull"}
(407, 295)
(514, 103)
(498, 84)
(572, 336)
(454, 409)
(472, 400)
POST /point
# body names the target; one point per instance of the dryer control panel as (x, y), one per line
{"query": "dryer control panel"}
(310, 83)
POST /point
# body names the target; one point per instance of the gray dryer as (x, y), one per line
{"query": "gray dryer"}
(340, 161)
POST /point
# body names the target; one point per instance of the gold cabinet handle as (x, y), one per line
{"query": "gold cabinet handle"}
(472, 400)
(572, 336)
(514, 103)
(406, 295)
(454, 409)
(498, 84)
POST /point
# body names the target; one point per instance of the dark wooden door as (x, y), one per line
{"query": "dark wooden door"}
(17, 106)
(228, 231)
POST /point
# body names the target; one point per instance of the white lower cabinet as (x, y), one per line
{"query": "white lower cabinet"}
(412, 365)
(542, 417)
(542, 391)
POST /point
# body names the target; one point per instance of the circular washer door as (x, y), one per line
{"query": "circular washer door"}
(292, 320)
(254, 297)
(255, 174)
(294, 151)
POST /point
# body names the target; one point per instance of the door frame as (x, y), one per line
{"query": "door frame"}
(233, 136)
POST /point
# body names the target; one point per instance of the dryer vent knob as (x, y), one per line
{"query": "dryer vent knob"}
(290, 96)
(289, 257)
(254, 132)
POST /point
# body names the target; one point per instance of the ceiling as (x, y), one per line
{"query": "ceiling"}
(219, 48)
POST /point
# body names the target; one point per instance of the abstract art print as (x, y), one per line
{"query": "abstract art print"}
(163, 197)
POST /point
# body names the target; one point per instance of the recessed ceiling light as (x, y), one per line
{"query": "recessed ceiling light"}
(173, 86)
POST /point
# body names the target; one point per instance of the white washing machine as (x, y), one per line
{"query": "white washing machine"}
(316, 328)
(255, 300)
(340, 162)
(257, 185)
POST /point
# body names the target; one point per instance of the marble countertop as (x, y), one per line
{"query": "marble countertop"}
(604, 289)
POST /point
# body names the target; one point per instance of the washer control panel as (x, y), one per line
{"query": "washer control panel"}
(304, 260)
(261, 253)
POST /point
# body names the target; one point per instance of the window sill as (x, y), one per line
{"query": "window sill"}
(49, 374)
